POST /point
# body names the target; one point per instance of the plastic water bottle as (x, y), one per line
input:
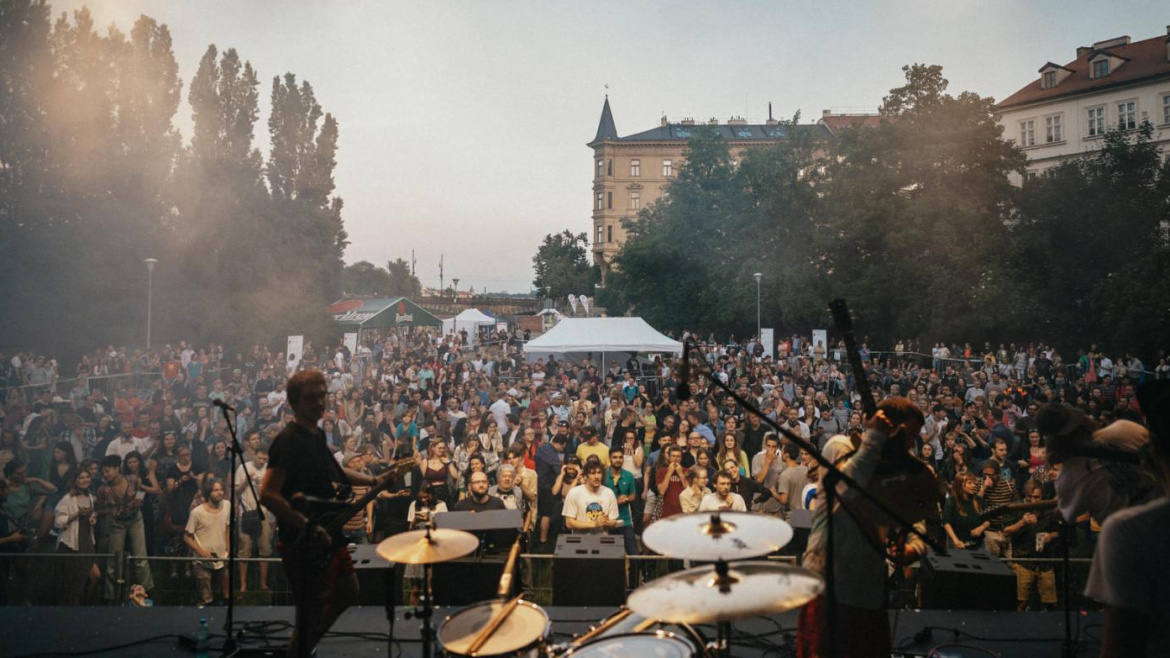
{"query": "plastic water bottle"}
(202, 639)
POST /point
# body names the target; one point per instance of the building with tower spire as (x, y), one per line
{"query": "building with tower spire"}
(631, 172)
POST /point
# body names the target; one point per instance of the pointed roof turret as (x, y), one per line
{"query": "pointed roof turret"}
(605, 128)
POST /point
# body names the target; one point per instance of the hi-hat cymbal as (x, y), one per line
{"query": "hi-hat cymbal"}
(416, 547)
(731, 536)
(701, 595)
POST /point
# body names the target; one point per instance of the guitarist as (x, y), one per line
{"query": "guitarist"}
(300, 463)
(860, 560)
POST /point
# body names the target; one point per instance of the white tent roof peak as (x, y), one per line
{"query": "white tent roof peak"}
(602, 335)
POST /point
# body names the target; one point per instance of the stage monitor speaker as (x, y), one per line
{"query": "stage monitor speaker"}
(476, 577)
(467, 580)
(589, 570)
(377, 577)
(967, 580)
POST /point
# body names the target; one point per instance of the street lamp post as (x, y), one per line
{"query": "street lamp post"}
(758, 275)
(150, 263)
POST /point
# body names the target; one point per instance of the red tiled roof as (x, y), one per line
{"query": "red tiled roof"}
(838, 122)
(1147, 59)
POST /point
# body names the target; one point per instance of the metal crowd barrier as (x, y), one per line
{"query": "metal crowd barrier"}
(175, 586)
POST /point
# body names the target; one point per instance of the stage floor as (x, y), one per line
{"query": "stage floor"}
(26, 632)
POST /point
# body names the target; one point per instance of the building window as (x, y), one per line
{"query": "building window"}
(635, 200)
(1049, 79)
(635, 168)
(600, 234)
(1166, 109)
(599, 198)
(1028, 133)
(667, 169)
(1054, 128)
(1127, 115)
(609, 168)
(609, 200)
(609, 233)
(599, 168)
(1101, 68)
(1096, 121)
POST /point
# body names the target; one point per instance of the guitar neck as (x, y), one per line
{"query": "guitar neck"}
(338, 522)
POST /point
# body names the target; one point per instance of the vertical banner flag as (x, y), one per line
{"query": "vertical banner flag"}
(820, 337)
(768, 338)
(585, 301)
(296, 349)
(573, 302)
(351, 342)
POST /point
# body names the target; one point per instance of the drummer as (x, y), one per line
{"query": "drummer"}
(591, 507)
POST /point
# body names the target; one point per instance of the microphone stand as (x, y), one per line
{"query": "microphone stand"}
(832, 476)
(230, 646)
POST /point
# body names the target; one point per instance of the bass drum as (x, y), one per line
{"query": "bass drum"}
(524, 634)
(636, 630)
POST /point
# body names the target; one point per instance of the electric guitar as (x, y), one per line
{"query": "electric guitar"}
(332, 515)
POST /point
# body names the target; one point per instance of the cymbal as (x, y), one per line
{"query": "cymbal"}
(416, 547)
(734, 536)
(700, 595)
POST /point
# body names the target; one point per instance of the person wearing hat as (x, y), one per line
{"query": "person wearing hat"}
(592, 446)
(1129, 574)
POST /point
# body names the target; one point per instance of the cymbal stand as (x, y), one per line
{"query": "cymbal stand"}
(724, 580)
(427, 611)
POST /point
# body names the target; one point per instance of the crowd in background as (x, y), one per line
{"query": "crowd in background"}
(130, 456)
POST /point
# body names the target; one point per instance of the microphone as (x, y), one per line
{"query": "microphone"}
(683, 390)
(223, 405)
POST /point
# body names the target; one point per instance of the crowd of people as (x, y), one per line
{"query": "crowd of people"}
(141, 467)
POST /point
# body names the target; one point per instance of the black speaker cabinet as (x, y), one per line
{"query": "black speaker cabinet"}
(377, 577)
(589, 570)
(967, 580)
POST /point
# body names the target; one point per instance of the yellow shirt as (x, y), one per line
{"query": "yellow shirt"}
(584, 451)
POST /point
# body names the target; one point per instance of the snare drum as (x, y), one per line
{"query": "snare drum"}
(634, 630)
(524, 634)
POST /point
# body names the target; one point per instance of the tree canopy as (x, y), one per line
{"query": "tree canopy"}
(95, 177)
(916, 222)
(562, 267)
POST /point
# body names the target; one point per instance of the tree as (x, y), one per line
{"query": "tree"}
(365, 278)
(689, 259)
(561, 265)
(912, 227)
(402, 280)
(1090, 246)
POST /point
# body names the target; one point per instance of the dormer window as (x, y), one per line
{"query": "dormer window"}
(1101, 68)
(1049, 80)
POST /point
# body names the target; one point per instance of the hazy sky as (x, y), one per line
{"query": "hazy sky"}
(464, 124)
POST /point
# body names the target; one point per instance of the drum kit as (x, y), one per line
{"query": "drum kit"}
(659, 621)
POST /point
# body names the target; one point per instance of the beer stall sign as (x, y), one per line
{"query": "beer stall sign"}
(372, 313)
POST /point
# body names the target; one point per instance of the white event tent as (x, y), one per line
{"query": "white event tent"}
(470, 320)
(573, 338)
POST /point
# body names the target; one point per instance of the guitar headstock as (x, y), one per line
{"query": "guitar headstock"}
(403, 465)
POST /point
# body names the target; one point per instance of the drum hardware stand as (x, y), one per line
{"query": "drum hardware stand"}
(724, 580)
(426, 612)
